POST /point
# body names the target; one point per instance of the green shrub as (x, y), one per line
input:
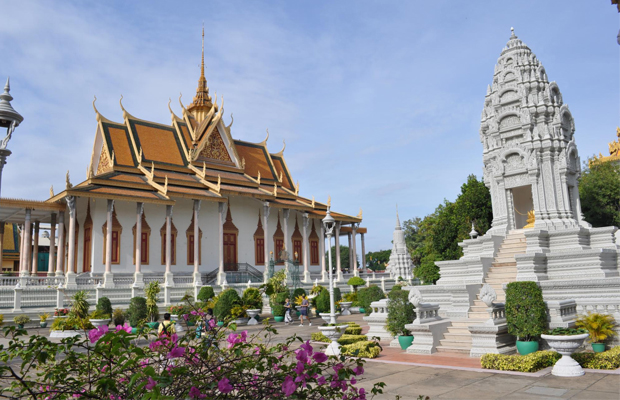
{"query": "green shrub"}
(98, 314)
(136, 313)
(278, 310)
(79, 304)
(103, 304)
(353, 330)
(609, 359)
(599, 326)
(206, 293)
(252, 299)
(368, 295)
(118, 317)
(396, 287)
(356, 281)
(71, 323)
(228, 299)
(400, 313)
(319, 337)
(151, 291)
(322, 302)
(365, 349)
(22, 319)
(526, 314)
(337, 294)
(351, 296)
(350, 339)
(530, 363)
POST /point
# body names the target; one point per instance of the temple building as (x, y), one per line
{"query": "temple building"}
(614, 152)
(184, 199)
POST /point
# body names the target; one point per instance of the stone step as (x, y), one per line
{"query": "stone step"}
(504, 260)
(477, 315)
(457, 331)
(462, 337)
(478, 309)
(459, 344)
(448, 349)
(497, 264)
(500, 277)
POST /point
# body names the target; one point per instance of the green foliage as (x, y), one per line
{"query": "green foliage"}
(104, 305)
(319, 337)
(377, 260)
(354, 329)
(278, 310)
(356, 281)
(344, 258)
(276, 284)
(136, 313)
(350, 339)
(337, 294)
(396, 287)
(364, 349)
(400, 313)
(599, 192)
(530, 363)
(79, 304)
(98, 314)
(22, 319)
(566, 332)
(298, 292)
(71, 323)
(351, 296)
(322, 302)
(151, 291)
(252, 299)
(227, 300)
(118, 317)
(609, 359)
(206, 293)
(43, 317)
(366, 296)
(316, 289)
(599, 326)
(526, 314)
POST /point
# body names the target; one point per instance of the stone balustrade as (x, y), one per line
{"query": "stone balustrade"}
(561, 313)
(377, 321)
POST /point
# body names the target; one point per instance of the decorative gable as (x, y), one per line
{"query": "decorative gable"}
(214, 149)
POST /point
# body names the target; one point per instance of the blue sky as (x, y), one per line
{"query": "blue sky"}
(379, 101)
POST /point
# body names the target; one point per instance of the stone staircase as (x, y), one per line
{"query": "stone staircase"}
(457, 339)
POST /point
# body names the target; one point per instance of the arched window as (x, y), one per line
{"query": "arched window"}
(173, 245)
(314, 246)
(117, 230)
(278, 242)
(297, 243)
(88, 232)
(230, 243)
(191, 242)
(145, 239)
(259, 243)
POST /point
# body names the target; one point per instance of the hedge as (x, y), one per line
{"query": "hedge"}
(368, 295)
(353, 330)
(365, 349)
(319, 337)
(136, 312)
(227, 300)
(530, 363)
(350, 339)
(609, 359)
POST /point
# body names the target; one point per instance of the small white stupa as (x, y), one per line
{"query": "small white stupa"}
(400, 264)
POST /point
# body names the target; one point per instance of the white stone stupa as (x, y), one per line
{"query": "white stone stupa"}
(400, 264)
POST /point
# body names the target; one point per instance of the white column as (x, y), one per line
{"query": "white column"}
(1, 243)
(322, 251)
(50, 265)
(27, 244)
(266, 211)
(138, 277)
(338, 262)
(108, 277)
(22, 236)
(168, 276)
(60, 259)
(353, 248)
(306, 250)
(350, 255)
(363, 251)
(221, 275)
(287, 239)
(35, 249)
(71, 247)
(197, 244)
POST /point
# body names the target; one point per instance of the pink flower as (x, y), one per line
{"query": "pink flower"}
(176, 352)
(224, 385)
(321, 380)
(195, 393)
(95, 334)
(320, 357)
(126, 328)
(288, 387)
(338, 367)
(155, 345)
(299, 369)
(353, 381)
(174, 337)
(307, 347)
(151, 385)
(359, 370)
(257, 350)
(212, 323)
(235, 338)
(302, 356)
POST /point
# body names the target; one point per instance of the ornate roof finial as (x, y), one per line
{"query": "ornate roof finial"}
(360, 214)
(258, 178)
(51, 191)
(202, 101)
(329, 201)
(397, 218)
(68, 184)
(512, 33)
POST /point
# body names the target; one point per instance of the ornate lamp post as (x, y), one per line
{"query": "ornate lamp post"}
(9, 119)
(329, 223)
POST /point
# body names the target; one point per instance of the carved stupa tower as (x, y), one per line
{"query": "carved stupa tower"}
(201, 104)
(400, 264)
(530, 157)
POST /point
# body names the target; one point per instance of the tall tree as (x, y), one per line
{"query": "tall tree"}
(377, 260)
(599, 191)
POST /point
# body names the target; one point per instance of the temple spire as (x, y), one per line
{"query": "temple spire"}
(397, 219)
(201, 103)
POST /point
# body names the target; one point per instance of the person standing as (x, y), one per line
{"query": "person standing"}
(305, 304)
(287, 311)
(166, 328)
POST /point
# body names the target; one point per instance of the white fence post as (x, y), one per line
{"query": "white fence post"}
(17, 298)
(60, 296)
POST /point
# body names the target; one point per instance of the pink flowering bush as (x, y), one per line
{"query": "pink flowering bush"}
(227, 364)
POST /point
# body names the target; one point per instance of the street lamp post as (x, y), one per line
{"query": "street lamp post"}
(329, 223)
(9, 119)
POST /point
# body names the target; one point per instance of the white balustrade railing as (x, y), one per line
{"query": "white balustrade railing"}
(123, 279)
(183, 279)
(148, 278)
(7, 297)
(9, 280)
(38, 297)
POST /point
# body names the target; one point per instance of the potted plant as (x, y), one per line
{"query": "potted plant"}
(277, 305)
(206, 293)
(400, 313)
(79, 304)
(21, 320)
(118, 317)
(333, 332)
(227, 300)
(355, 281)
(565, 341)
(367, 296)
(136, 312)
(238, 313)
(43, 320)
(253, 304)
(61, 312)
(104, 305)
(152, 311)
(526, 315)
(99, 318)
(323, 306)
(600, 327)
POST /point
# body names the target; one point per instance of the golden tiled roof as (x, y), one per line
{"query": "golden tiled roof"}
(121, 146)
(256, 159)
(158, 143)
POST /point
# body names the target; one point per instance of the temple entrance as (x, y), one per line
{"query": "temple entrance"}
(230, 252)
(522, 204)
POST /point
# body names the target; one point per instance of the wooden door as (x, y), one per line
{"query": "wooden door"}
(230, 252)
(87, 248)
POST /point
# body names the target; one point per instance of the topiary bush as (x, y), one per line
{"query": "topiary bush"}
(252, 299)
(609, 359)
(353, 329)
(530, 363)
(368, 295)
(136, 313)
(356, 281)
(227, 300)
(400, 313)
(104, 305)
(322, 302)
(364, 349)
(152, 291)
(350, 339)
(206, 293)
(526, 314)
(118, 317)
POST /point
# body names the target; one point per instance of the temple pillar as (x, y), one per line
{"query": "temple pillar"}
(60, 259)
(168, 276)
(35, 249)
(138, 277)
(306, 247)
(1, 244)
(27, 244)
(108, 277)
(324, 275)
(338, 276)
(353, 249)
(363, 251)
(266, 210)
(287, 239)
(350, 255)
(221, 275)
(50, 264)
(197, 244)
(71, 283)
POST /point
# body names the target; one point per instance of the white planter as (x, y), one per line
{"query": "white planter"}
(333, 333)
(177, 326)
(354, 310)
(100, 322)
(66, 334)
(327, 317)
(566, 345)
(241, 321)
(344, 307)
(253, 313)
